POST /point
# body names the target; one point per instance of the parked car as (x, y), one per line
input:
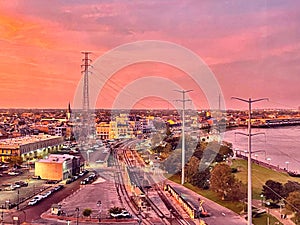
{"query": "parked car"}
(21, 183)
(45, 195)
(33, 202)
(69, 181)
(7, 189)
(15, 186)
(123, 214)
(38, 197)
(13, 173)
(204, 214)
(85, 181)
(51, 182)
(57, 188)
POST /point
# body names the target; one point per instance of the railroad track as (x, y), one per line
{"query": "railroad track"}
(176, 216)
(157, 211)
(122, 192)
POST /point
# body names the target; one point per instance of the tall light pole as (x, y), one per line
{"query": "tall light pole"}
(99, 204)
(183, 131)
(2, 214)
(249, 134)
(287, 165)
(18, 199)
(77, 215)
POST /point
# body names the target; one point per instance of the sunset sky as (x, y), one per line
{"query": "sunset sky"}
(251, 47)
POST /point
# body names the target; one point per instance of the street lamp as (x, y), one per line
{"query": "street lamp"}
(99, 204)
(77, 215)
(2, 214)
(262, 199)
(24, 216)
(7, 202)
(18, 200)
(287, 165)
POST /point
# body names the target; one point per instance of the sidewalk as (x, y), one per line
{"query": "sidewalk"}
(274, 212)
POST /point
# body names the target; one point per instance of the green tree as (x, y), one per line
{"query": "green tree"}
(15, 161)
(223, 182)
(293, 203)
(168, 130)
(87, 212)
(191, 168)
(291, 186)
(195, 176)
(273, 190)
(201, 179)
(237, 192)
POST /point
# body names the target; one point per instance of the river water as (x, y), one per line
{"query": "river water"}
(278, 146)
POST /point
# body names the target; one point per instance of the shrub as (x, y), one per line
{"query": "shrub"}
(87, 212)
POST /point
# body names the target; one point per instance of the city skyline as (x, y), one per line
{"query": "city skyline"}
(251, 47)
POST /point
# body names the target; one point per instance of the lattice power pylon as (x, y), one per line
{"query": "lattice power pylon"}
(86, 65)
(87, 122)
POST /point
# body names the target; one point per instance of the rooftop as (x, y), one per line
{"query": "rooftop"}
(56, 158)
(18, 141)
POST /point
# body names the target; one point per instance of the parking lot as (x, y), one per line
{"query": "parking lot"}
(15, 188)
(101, 191)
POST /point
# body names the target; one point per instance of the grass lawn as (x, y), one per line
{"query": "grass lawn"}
(259, 176)
(234, 206)
(262, 220)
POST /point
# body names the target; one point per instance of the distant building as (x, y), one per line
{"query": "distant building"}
(29, 147)
(103, 130)
(57, 167)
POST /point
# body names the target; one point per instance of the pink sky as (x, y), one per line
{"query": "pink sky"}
(252, 47)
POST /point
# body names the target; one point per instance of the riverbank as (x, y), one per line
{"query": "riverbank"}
(277, 148)
(270, 166)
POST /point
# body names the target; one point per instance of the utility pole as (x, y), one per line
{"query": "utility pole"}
(183, 131)
(2, 214)
(86, 65)
(249, 134)
(85, 101)
(18, 199)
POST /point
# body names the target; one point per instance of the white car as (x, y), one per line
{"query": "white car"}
(38, 197)
(13, 173)
(32, 202)
(45, 195)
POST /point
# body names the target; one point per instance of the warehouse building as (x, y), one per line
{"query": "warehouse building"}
(57, 167)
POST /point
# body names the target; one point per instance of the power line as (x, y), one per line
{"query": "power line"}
(118, 87)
